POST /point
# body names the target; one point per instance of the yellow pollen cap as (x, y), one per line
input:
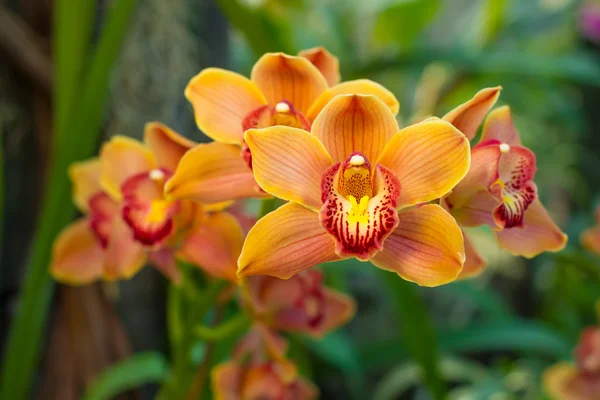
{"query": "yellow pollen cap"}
(156, 175)
(504, 148)
(357, 160)
(282, 107)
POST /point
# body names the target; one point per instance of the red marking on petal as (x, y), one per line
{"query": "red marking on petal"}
(145, 209)
(102, 211)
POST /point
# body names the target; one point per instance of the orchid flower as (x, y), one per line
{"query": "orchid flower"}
(590, 239)
(352, 184)
(259, 370)
(127, 220)
(565, 381)
(499, 190)
(282, 90)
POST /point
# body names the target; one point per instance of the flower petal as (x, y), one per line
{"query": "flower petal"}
(289, 163)
(429, 159)
(359, 86)
(468, 116)
(85, 176)
(478, 211)
(212, 173)
(325, 62)
(122, 157)
(226, 380)
(77, 256)
(167, 145)
(590, 239)
(339, 309)
(539, 234)
(499, 126)
(221, 99)
(164, 261)
(285, 242)
(282, 77)
(215, 245)
(558, 382)
(474, 264)
(427, 247)
(124, 255)
(351, 123)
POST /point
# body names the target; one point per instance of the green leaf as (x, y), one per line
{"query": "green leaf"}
(418, 334)
(402, 22)
(494, 18)
(486, 300)
(337, 349)
(80, 139)
(137, 370)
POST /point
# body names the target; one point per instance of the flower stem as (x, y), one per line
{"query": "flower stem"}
(225, 330)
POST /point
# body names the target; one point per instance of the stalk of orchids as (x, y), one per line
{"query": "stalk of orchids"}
(351, 183)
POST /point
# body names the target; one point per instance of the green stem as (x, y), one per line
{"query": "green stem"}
(225, 330)
(266, 206)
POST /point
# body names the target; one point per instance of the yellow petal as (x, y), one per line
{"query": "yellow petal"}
(124, 255)
(85, 176)
(123, 157)
(426, 248)
(468, 116)
(77, 256)
(167, 145)
(474, 264)
(212, 173)
(326, 62)
(359, 86)
(221, 99)
(285, 242)
(539, 234)
(215, 245)
(558, 382)
(429, 159)
(289, 163)
(352, 123)
(499, 126)
(282, 77)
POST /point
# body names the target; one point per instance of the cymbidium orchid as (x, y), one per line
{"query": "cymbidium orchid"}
(356, 185)
(579, 381)
(282, 90)
(259, 371)
(127, 220)
(590, 238)
(499, 190)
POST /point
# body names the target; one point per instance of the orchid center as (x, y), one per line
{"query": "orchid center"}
(283, 113)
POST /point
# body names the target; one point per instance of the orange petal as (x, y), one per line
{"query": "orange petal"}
(85, 176)
(221, 99)
(304, 389)
(468, 116)
(124, 255)
(77, 256)
(167, 145)
(326, 62)
(427, 247)
(429, 159)
(590, 239)
(359, 86)
(558, 382)
(339, 309)
(282, 77)
(539, 234)
(122, 157)
(285, 242)
(474, 264)
(226, 381)
(352, 123)
(164, 261)
(212, 173)
(215, 245)
(478, 211)
(289, 163)
(499, 126)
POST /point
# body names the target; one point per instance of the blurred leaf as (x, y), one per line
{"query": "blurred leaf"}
(127, 374)
(486, 300)
(1, 188)
(418, 335)
(513, 335)
(337, 349)
(402, 22)
(495, 15)
(79, 142)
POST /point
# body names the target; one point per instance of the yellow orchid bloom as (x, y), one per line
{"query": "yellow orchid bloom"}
(341, 205)
(499, 190)
(128, 221)
(282, 90)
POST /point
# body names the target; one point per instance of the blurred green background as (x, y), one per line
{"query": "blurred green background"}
(124, 63)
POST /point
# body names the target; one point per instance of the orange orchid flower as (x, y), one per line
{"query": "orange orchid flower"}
(299, 304)
(259, 370)
(341, 205)
(282, 90)
(127, 221)
(590, 239)
(499, 190)
(565, 381)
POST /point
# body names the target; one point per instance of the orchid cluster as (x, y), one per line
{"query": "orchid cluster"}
(351, 182)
